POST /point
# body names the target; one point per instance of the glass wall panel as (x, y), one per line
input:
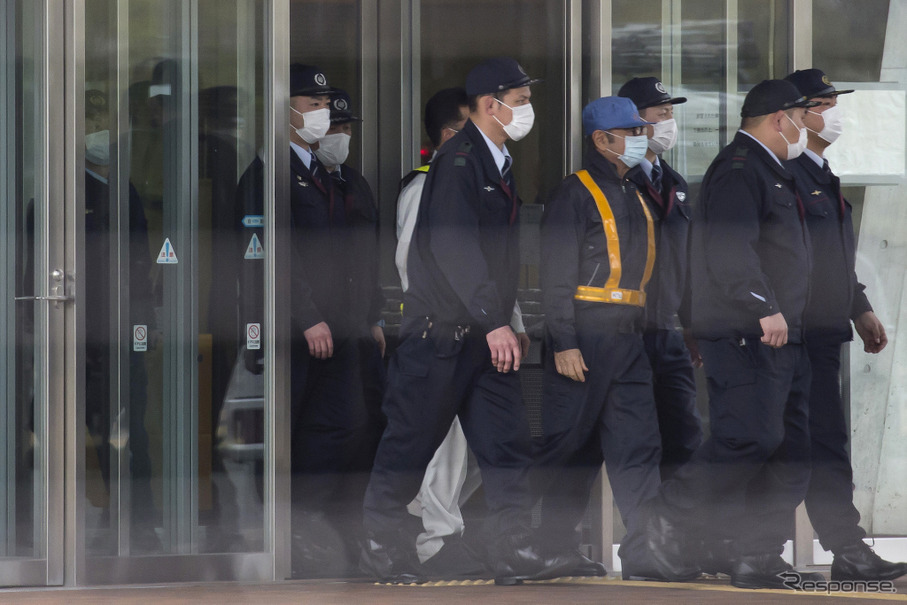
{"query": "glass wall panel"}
(173, 105)
(23, 221)
(457, 35)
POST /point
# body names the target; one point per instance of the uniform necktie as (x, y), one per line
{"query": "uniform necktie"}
(656, 177)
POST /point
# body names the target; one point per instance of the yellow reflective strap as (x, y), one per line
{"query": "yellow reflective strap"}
(650, 246)
(611, 293)
(604, 209)
(423, 168)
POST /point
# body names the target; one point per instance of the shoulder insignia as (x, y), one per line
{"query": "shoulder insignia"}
(739, 158)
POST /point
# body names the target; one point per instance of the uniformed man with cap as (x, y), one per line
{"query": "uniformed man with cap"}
(672, 370)
(597, 257)
(750, 253)
(328, 318)
(458, 355)
(838, 299)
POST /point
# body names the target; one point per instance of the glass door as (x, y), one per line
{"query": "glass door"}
(34, 305)
(170, 114)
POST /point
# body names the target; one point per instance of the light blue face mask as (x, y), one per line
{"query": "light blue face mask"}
(635, 148)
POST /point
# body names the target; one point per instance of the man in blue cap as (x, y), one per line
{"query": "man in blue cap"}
(750, 253)
(839, 300)
(458, 355)
(598, 253)
(673, 380)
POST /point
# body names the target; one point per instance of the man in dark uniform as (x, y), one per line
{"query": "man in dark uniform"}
(458, 355)
(839, 299)
(598, 254)
(750, 253)
(329, 317)
(672, 370)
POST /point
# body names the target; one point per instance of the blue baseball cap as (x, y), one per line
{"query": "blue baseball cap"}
(611, 112)
(496, 75)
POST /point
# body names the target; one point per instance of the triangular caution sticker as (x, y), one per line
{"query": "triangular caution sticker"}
(167, 255)
(254, 250)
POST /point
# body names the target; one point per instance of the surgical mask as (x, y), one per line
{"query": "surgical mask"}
(333, 149)
(521, 123)
(834, 123)
(634, 149)
(315, 124)
(664, 136)
(795, 149)
(97, 147)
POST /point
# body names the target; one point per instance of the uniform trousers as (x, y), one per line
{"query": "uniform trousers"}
(611, 417)
(675, 398)
(829, 500)
(436, 374)
(757, 455)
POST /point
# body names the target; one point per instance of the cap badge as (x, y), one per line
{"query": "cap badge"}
(341, 105)
(826, 81)
(320, 80)
(660, 88)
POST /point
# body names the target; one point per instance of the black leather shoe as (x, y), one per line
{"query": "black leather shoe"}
(573, 563)
(859, 562)
(666, 544)
(769, 571)
(386, 559)
(716, 556)
(514, 560)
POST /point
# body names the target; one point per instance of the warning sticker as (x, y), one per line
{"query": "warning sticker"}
(167, 255)
(139, 338)
(253, 220)
(253, 336)
(254, 251)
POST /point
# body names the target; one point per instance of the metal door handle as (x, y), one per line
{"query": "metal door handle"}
(56, 296)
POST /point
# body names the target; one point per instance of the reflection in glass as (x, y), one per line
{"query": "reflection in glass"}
(171, 452)
(22, 399)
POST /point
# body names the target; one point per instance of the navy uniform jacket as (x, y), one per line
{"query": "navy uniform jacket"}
(463, 263)
(670, 279)
(750, 250)
(361, 255)
(839, 297)
(574, 249)
(322, 254)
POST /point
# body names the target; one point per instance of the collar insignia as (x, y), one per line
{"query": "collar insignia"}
(489, 188)
(778, 185)
(816, 192)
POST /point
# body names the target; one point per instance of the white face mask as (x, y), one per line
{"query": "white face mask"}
(634, 149)
(315, 124)
(834, 123)
(97, 147)
(664, 135)
(796, 148)
(521, 123)
(333, 149)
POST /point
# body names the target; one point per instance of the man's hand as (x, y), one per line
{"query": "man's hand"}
(774, 330)
(524, 343)
(505, 349)
(570, 363)
(321, 344)
(693, 348)
(378, 335)
(871, 332)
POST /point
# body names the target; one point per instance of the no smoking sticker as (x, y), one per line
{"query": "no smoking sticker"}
(253, 336)
(139, 338)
